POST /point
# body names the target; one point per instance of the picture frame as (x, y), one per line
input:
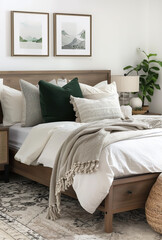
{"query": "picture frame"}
(72, 35)
(29, 33)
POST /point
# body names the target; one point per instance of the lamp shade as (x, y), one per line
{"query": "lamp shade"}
(126, 83)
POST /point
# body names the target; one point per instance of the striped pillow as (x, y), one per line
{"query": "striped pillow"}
(90, 110)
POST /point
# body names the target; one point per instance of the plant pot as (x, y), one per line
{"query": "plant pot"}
(145, 108)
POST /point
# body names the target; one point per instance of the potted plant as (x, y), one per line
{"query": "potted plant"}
(148, 71)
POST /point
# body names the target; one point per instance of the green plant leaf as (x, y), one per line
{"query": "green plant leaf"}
(155, 68)
(154, 79)
(141, 87)
(152, 54)
(142, 75)
(150, 91)
(145, 69)
(138, 68)
(157, 86)
(160, 63)
(144, 92)
(145, 61)
(148, 98)
(152, 73)
(155, 61)
(139, 95)
(127, 67)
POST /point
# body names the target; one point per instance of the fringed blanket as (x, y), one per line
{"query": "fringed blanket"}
(81, 151)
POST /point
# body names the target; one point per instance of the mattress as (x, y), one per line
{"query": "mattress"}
(17, 135)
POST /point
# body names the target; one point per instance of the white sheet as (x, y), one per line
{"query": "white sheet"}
(17, 135)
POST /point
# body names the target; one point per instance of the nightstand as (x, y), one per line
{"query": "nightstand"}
(142, 112)
(150, 113)
(4, 159)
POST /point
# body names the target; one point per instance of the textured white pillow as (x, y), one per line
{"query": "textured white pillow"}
(11, 101)
(93, 110)
(100, 90)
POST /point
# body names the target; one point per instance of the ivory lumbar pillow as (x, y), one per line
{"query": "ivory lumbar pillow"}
(93, 110)
(31, 114)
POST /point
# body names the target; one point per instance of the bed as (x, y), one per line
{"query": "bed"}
(126, 193)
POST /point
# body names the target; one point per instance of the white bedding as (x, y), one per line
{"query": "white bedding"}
(120, 159)
(17, 135)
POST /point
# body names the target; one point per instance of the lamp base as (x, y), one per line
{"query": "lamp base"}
(124, 98)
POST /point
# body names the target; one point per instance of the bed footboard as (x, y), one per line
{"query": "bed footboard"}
(125, 193)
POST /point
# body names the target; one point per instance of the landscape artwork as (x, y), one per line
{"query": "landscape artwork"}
(72, 34)
(29, 34)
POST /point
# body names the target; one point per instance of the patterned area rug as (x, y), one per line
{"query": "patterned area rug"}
(23, 208)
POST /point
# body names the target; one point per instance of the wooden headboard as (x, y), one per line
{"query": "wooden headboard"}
(91, 77)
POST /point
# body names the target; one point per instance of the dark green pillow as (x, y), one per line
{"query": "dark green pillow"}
(55, 100)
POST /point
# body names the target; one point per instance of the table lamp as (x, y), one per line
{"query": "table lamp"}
(125, 85)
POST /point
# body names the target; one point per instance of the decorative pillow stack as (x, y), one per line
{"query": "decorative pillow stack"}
(49, 102)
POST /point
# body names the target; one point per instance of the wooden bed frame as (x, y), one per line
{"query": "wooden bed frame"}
(126, 193)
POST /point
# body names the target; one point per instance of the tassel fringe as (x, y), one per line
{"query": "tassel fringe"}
(65, 182)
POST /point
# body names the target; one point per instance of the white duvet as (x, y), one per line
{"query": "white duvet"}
(136, 156)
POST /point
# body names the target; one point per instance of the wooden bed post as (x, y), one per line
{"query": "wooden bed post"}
(108, 219)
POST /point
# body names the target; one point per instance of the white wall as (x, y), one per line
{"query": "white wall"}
(118, 30)
(155, 46)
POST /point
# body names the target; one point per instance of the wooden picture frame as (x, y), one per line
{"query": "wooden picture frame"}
(29, 33)
(72, 35)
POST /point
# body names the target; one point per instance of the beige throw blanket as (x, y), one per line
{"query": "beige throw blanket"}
(81, 151)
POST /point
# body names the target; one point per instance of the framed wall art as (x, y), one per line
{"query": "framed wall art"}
(29, 34)
(72, 34)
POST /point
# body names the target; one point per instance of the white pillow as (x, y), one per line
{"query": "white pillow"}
(60, 82)
(101, 90)
(11, 101)
(126, 111)
(93, 110)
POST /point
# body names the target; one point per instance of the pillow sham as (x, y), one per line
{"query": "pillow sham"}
(60, 82)
(91, 110)
(55, 100)
(101, 90)
(31, 111)
(11, 101)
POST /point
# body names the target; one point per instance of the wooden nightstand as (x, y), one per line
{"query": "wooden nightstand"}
(4, 159)
(150, 113)
(141, 112)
